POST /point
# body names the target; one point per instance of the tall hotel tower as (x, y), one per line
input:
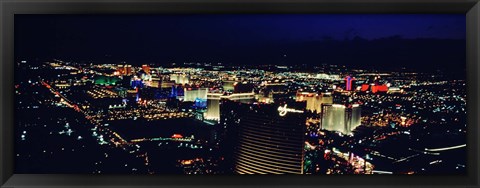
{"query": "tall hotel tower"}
(341, 118)
(270, 140)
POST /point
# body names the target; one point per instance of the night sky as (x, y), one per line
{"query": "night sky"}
(418, 41)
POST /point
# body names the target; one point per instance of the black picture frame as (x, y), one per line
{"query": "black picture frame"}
(8, 8)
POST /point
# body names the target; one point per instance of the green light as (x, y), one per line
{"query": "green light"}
(106, 80)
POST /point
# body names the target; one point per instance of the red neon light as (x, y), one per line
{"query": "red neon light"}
(379, 88)
(365, 87)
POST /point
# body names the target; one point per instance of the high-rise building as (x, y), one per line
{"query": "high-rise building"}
(179, 79)
(356, 113)
(214, 102)
(121, 69)
(128, 69)
(349, 83)
(124, 69)
(137, 82)
(213, 110)
(230, 112)
(314, 100)
(340, 118)
(270, 140)
(190, 94)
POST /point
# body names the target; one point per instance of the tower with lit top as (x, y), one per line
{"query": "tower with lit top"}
(348, 83)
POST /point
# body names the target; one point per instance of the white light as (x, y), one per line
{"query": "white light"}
(283, 110)
(446, 148)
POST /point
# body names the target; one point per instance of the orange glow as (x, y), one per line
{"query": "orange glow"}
(186, 162)
(177, 136)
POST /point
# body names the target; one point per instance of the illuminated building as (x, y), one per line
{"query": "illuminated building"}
(128, 70)
(213, 102)
(275, 87)
(327, 98)
(179, 79)
(379, 88)
(270, 141)
(146, 69)
(314, 100)
(156, 82)
(313, 103)
(136, 82)
(190, 94)
(132, 92)
(121, 70)
(146, 78)
(124, 69)
(106, 80)
(375, 88)
(200, 103)
(229, 85)
(395, 90)
(348, 83)
(62, 85)
(324, 76)
(341, 118)
(302, 96)
(264, 98)
(239, 97)
(365, 87)
(213, 109)
(166, 84)
(115, 106)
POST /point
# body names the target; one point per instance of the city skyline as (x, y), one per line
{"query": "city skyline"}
(371, 101)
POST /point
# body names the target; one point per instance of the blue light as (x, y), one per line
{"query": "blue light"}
(200, 103)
